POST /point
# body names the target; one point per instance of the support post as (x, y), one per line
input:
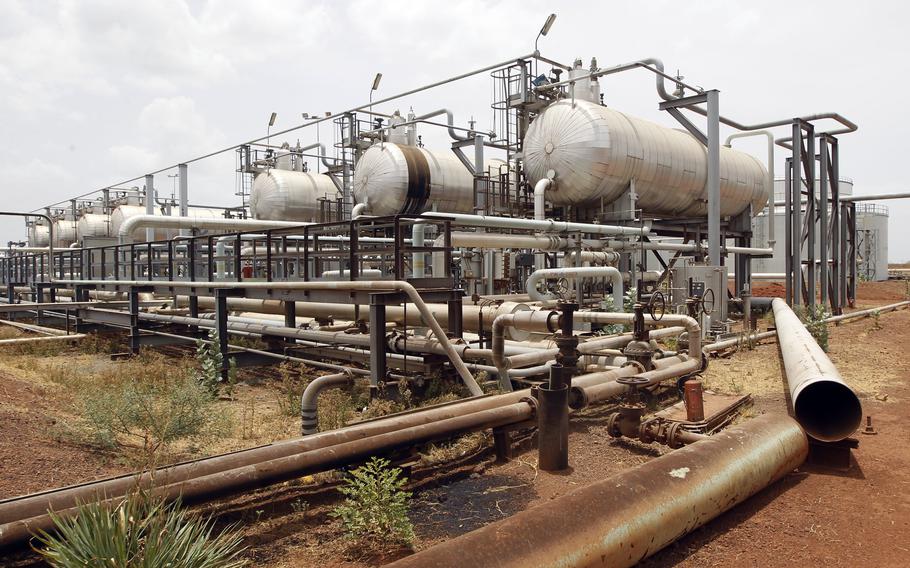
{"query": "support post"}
(456, 324)
(221, 322)
(377, 341)
(183, 194)
(795, 190)
(149, 206)
(135, 333)
(811, 216)
(713, 135)
(823, 222)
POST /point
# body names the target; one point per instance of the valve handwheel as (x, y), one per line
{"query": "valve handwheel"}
(633, 381)
(657, 298)
(561, 288)
(705, 302)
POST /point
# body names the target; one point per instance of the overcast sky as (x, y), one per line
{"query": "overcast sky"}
(96, 92)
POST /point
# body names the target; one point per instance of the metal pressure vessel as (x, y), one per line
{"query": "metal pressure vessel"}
(283, 195)
(395, 178)
(64, 233)
(38, 235)
(596, 152)
(93, 225)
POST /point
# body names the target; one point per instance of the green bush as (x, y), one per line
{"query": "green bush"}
(375, 510)
(149, 414)
(814, 319)
(139, 532)
(210, 359)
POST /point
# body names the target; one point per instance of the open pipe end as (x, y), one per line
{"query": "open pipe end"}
(828, 410)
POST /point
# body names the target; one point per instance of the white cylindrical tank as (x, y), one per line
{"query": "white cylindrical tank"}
(596, 152)
(394, 178)
(38, 235)
(93, 225)
(281, 195)
(872, 241)
(64, 232)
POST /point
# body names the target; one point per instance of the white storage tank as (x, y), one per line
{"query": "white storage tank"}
(396, 178)
(872, 241)
(64, 232)
(93, 225)
(38, 235)
(596, 152)
(283, 195)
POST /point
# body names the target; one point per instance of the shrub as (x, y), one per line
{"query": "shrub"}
(210, 359)
(375, 510)
(291, 385)
(140, 531)
(814, 319)
(149, 414)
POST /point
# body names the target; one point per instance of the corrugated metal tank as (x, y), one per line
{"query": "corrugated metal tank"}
(284, 195)
(93, 225)
(596, 152)
(396, 178)
(64, 232)
(38, 235)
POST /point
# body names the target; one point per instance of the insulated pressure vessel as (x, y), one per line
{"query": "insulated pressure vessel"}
(64, 233)
(396, 178)
(93, 225)
(283, 195)
(596, 153)
(38, 235)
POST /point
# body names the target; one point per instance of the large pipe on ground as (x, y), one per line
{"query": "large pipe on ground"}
(624, 519)
(822, 402)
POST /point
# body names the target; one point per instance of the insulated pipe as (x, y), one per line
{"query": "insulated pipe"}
(822, 402)
(418, 257)
(42, 339)
(610, 272)
(770, 136)
(547, 225)
(158, 221)
(589, 347)
(361, 285)
(473, 316)
(540, 212)
(603, 258)
(530, 321)
(359, 210)
(309, 407)
(691, 325)
(626, 518)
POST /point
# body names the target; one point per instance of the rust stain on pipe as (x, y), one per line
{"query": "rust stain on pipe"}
(630, 516)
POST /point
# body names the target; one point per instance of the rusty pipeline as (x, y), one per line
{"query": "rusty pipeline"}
(630, 516)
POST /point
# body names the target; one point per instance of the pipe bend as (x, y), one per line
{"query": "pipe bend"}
(309, 400)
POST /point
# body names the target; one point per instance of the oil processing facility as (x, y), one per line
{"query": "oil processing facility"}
(544, 257)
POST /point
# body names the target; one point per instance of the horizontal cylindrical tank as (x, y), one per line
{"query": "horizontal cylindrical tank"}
(123, 212)
(64, 232)
(395, 178)
(283, 195)
(597, 152)
(38, 235)
(93, 225)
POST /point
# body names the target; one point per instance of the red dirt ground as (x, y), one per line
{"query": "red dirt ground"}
(810, 518)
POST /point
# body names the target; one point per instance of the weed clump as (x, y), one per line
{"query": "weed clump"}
(139, 531)
(375, 511)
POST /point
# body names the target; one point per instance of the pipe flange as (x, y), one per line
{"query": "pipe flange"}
(637, 365)
(532, 402)
(671, 434)
(613, 425)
